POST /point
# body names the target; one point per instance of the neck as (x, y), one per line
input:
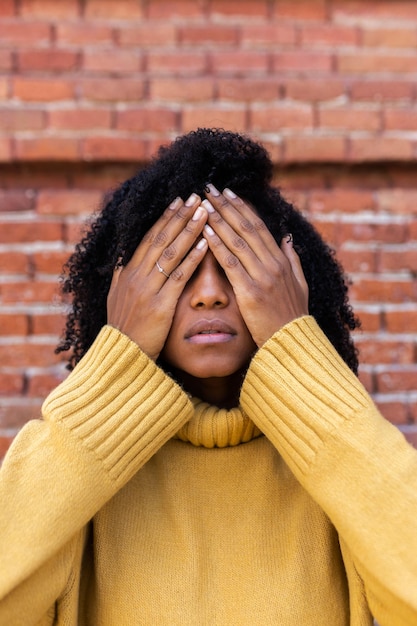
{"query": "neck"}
(222, 392)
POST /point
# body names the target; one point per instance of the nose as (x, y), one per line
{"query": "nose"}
(209, 287)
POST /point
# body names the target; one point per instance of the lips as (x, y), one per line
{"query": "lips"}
(206, 331)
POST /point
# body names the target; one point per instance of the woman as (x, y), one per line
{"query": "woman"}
(212, 457)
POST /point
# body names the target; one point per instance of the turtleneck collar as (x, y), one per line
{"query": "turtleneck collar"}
(211, 427)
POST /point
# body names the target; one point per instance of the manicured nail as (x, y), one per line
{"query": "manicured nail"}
(175, 204)
(199, 213)
(209, 230)
(191, 199)
(229, 193)
(201, 244)
(207, 204)
(213, 190)
(289, 238)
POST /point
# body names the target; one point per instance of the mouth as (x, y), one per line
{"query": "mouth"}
(209, 332)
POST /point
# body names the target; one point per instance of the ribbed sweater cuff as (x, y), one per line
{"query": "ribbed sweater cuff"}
(119, 403)
(298, 390)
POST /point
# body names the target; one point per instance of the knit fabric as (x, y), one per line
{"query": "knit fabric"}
(131, 503)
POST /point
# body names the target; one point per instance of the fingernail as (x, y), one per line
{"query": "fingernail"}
(213, 190)
(209, 230)
(207, 204)
(228, 192)
(199, 213)
(191, 199)
(175, 203)
(201, 244)
(207, 188)
(289, 238)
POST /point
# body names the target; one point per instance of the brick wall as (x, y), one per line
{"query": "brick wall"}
(90, 88)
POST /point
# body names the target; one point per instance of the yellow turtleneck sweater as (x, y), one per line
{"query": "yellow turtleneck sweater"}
(131, 504)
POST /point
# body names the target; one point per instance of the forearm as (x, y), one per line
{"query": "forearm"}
(355, 464)
(113, 412)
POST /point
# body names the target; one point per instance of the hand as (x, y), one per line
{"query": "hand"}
(142, 299)
(268, 280)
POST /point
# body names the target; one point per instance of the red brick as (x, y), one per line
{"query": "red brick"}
(367, 379)
(5, 149)
(148, 34)
(360, 231)
(401, 321)
(242, 89)
(13, 324)
(47, 60)
(155, 119)
(314, 90)
(313, 148)
(349, 118)
(239, 62)
(8, 8)
(300, 10)
(341, 200)
(79, 119)
(47, 324)
(116, 9)
(6, 60)
(402, 258)
(392, 379)
(179, 63)
(67, 202)
(380, 149)
(360, 62)
(389, 9)
(42, 89)
(114, 149)
(302, 61)
(354, 260)
(112, 89)
(112, 61)
(13, 415)
(14, 262)
(267, 35)
(400, 119)
(15, 200)
(389, 37)
(28, 231)
(181, 90)
(372, 351)
(382, 90)
(203, 34)
(28, 354)
(11, 384)
(4, 88)
(370, 319)
(382, 289)
(394, 411)
(18, 32)
(276, 118)
(214, 115)
(257, 9)
(5, 440)
(73, 232)
(398, 201)
(329, 34)
(12, 120)
(49, 9)
(40, 385)
(28, 291)
(47, 148)
(83, 33)
(166, 9)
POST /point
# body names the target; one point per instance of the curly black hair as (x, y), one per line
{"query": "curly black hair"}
(225, 159)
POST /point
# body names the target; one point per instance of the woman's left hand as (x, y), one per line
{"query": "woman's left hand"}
(268, 280)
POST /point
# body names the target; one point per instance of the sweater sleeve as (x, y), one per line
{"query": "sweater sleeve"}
(356, 465)
(111, 414)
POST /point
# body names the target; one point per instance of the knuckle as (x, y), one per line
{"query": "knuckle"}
(247, 226)
(177, 275)
(169, 253)
(239, 243)
(231, 260)
(259, 225)
(160, 239)
(182, 213)
(217, 218)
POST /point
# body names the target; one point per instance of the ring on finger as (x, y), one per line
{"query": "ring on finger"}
(161, 270)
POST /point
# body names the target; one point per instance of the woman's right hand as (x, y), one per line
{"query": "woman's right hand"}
(142, 299)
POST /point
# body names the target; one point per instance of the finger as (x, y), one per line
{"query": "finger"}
(164, 231)
(245, 221)
(183, 272)
(171, 256)
(230, 262)
(287, 247)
